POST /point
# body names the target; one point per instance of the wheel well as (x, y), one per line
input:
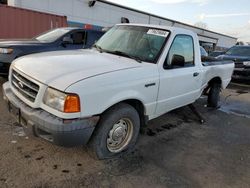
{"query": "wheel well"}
(210, 83)
(215, 80)
(138, 105)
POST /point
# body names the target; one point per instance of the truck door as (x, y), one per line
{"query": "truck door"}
(180, 78)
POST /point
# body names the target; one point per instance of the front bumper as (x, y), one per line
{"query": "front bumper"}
(241, 74)
(47, 126)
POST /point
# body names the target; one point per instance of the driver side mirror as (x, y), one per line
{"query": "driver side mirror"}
(67, 40)
(177, 61)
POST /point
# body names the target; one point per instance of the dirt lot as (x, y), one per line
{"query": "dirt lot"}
(175, 151)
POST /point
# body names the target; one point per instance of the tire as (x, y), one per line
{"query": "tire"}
(214, 95)
(122, 123)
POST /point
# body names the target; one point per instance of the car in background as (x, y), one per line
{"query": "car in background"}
(203, 52)
(216, 53)
(241, 56)
(67, 38)
(205, 57)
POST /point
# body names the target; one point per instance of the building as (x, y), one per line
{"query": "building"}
(100, 13)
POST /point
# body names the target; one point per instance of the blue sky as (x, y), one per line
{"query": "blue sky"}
(230, 17)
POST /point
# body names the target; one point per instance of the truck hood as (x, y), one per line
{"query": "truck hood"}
(23, 42)
(234, 58)
(63, 68)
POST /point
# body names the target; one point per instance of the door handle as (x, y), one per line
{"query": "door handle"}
(149, 85)
(196, 74)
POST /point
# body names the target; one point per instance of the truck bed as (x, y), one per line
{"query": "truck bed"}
(212, 63)
(215, 68)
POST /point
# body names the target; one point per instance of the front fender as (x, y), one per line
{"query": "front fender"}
(124, 96)
(99, 93)
(95, 98)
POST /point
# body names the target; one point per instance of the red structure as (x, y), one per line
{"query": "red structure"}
(23, 23)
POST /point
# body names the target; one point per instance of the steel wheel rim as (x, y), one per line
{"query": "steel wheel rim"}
(120, 135)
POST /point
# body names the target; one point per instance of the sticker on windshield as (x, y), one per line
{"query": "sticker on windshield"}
(158, 32)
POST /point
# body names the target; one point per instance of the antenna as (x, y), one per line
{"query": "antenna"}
(91, 3)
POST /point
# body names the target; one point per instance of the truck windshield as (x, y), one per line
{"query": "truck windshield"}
(239, 51)
(51, 35)
(141, 43)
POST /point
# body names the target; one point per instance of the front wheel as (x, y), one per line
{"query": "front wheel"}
(116, 132)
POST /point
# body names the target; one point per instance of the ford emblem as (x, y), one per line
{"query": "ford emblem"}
(20, 84)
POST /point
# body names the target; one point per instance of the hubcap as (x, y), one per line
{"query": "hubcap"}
(120, 135)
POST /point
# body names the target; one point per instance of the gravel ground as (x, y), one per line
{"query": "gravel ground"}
(175, 151)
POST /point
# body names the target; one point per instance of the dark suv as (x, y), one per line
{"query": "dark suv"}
(57, 39)
(241, 56)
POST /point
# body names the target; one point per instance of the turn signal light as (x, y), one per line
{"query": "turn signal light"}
(6, 50)
(72, 104)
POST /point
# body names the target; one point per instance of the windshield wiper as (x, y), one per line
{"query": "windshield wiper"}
(99, 48)
(125, 55)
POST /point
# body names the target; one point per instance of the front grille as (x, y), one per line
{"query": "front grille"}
(24, 86)
(239, 65)
(242, 72)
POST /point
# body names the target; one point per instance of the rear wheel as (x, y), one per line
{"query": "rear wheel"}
(214, 95)
(116, 132)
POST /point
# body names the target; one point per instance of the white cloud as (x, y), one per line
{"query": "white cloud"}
(119, 1)
(169, 1)
(203, 16)
(200, 2)
(226, 15)
(242, 33)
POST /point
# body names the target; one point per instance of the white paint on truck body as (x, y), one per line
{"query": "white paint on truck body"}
(102, 80)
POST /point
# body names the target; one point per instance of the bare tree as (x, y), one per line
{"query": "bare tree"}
(201, 25)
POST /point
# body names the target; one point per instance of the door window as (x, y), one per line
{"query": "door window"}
(78, 38)
(181, 53)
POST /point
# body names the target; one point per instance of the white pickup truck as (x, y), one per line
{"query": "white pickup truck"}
(102, 96)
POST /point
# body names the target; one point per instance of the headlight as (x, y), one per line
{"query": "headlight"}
(6, 50)
(63, 102)
(246, 63)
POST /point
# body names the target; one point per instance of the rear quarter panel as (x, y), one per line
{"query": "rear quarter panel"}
(223, 71)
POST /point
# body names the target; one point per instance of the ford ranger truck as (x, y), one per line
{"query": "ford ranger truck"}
(102, 96)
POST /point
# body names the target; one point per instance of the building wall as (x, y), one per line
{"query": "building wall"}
(105, 15)
(23, 23)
